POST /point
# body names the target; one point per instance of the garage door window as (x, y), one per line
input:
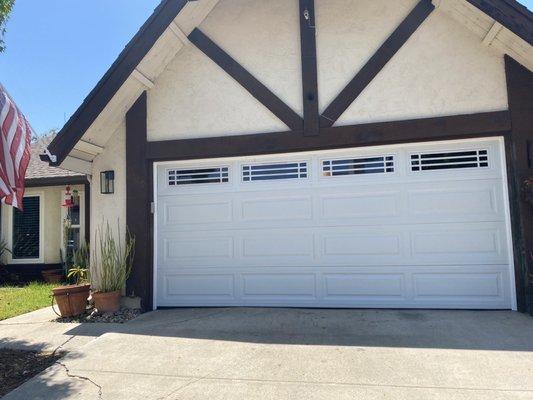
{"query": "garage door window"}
(264, 172)
(358, 166)
(450, 160)
(177, 177)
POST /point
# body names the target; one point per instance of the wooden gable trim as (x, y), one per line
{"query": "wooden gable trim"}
(376, 63)
(425, 129)
(511, 14)
(246, 80)
(309, 67)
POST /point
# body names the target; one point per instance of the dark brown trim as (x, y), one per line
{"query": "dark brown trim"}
(376, 63)
(246, 80)
(511, 14)
(87, 194)
(115, 77)
(56, 181)
(309, 67)
(520, 95)
(138, 199)
(426, 129)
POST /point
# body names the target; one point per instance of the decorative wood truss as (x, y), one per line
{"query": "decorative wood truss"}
(313, 121)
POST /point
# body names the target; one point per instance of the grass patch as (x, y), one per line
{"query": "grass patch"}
(20, 300)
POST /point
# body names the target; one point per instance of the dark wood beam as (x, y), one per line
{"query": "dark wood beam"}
(520, 167)
(87, 198)
(138, 214)
(56, 181)
(246, 80)
(376, 63)
(309, 67)
(426, 129)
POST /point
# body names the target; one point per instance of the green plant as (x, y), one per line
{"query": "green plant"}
(79, 274)
(112, 261)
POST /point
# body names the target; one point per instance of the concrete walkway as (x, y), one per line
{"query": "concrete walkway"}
(297, 354)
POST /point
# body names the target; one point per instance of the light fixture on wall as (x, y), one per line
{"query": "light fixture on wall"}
(107, 182)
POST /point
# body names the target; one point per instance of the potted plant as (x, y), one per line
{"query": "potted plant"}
(72, 299)
(111, 268)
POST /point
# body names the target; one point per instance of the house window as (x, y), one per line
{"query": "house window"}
(450, 160)
(27, 230)
(197, 176)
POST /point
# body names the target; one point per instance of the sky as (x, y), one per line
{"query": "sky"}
(57, 50)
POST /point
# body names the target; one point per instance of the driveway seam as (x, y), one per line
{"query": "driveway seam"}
(214, 378)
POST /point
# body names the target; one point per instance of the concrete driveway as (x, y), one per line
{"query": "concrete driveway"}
(298, 354)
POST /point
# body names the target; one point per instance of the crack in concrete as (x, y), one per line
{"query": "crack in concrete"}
(81, 377)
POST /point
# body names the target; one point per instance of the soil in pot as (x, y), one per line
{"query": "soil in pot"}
(72, 299)
(52, 275)
(107, 302)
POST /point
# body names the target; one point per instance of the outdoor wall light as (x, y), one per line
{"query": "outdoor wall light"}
(107, 182)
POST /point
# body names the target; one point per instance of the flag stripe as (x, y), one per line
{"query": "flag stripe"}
(15, 138)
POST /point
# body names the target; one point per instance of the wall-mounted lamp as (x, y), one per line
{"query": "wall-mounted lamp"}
(107, 182)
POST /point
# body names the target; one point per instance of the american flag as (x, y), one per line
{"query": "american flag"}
(15, 142)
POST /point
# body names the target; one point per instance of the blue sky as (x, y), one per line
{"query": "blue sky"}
(58, 49)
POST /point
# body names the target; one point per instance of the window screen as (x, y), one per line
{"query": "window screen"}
(26, 229)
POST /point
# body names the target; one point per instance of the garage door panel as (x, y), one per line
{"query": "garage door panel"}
(279, 285)
(278, 245)
(290, 208)
(453, 244)
(361, 286)
(359, 206)
(471, 201)
(177, 213)
(189, 248)
(360, 244)
(210, 286)
(390, 226)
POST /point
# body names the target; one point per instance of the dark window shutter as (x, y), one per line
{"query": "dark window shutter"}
(26, 229)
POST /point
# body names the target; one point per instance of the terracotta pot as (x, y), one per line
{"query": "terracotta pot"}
(71, 299)
(107, 302)
(52, 275)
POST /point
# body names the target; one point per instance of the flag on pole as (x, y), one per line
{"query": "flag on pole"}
(15, 132)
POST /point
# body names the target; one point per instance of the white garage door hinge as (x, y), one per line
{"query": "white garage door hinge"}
(152, 207)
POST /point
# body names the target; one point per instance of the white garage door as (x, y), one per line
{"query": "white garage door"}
(420, 225)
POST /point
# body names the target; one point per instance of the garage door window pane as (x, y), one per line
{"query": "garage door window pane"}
(450, 160)
(358, 166)
(178, 177)
(26, 229)
(264, 172)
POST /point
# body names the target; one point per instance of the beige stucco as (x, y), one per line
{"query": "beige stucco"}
(110, 207)
(442, 70)
(51, 222)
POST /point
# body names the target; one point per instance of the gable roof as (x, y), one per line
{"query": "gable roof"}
(509, 13)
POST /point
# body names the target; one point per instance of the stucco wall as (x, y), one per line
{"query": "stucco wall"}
(110, 207)
(443, 69)
(51, 198)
